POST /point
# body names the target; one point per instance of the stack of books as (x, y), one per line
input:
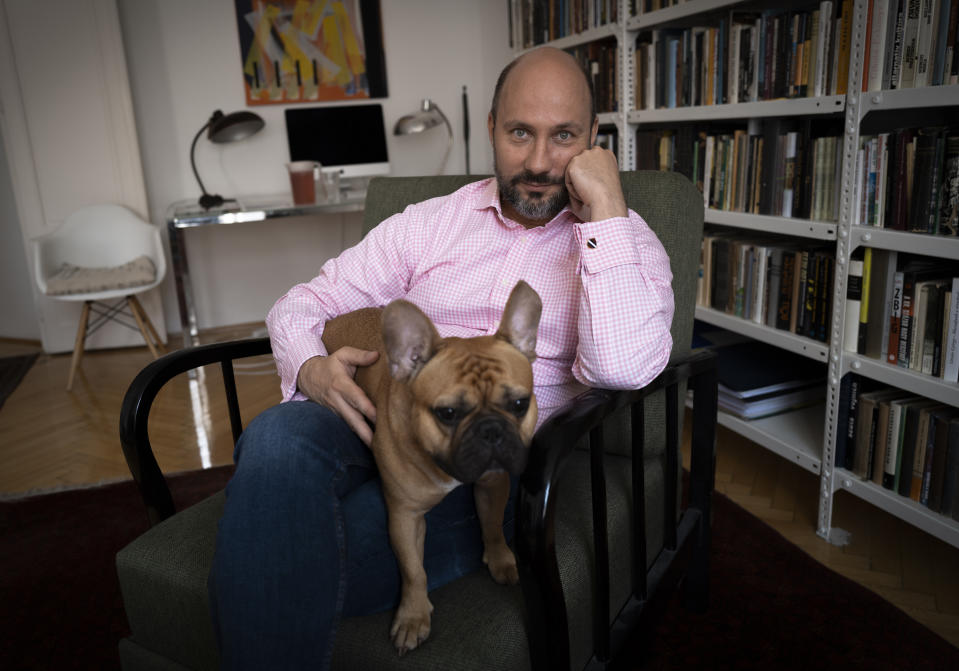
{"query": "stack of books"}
(758, 380)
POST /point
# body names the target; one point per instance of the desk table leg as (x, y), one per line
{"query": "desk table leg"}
(184, 290)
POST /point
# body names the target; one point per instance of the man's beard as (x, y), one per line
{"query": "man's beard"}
(536, 207)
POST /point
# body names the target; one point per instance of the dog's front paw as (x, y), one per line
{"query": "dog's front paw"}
(411, 625)
(502, 565)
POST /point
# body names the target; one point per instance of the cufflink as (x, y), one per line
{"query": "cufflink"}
(591, 243)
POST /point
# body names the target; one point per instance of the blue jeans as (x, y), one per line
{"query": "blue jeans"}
(303, 540)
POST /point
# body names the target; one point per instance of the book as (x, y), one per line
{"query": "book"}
(867, 424)
(922, 464)
(897, 206)
(844, 39)
(949, 196)
(894, 455)
(773, 281)
(920, 353)
(893, 43)
(907, 70)
(848, 385)
(910, 464)
(879, 296)
(895, 319)
(949, 503)
(928, 29)
(771, 404)
(924, 206)
(887, 438)
(752, 369)
(951, 343)
(939, 440)
(940, 42)
(864, 300)
(789, 173)
(879, 32)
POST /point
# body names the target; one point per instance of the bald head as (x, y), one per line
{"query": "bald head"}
(545, 62)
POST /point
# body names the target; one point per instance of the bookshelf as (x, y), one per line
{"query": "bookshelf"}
(808, 436)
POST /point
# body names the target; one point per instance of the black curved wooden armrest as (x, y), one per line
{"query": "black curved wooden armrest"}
(552, 446)
(135, 411)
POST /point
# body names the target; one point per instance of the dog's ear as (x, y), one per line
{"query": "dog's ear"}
(409, 337)
(521, 319)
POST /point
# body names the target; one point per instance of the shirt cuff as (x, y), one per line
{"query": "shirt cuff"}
(296, 357)
(607, 244)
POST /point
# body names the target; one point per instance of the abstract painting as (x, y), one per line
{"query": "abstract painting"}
(311, 50)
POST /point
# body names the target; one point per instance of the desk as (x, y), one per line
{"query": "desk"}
(188, 214)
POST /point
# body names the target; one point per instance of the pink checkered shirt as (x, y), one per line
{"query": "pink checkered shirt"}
(605, 287)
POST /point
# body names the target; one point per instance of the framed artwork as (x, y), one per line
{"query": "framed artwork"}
(311, 50)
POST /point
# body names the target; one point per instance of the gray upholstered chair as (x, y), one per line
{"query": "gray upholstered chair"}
(581, 595)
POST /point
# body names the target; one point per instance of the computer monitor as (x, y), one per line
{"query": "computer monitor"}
(347, 138)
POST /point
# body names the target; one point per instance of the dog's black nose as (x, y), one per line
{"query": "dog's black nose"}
(490, 431)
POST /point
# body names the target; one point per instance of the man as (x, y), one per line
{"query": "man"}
(303, 541)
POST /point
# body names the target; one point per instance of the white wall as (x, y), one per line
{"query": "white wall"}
(18, 317)
(184, 62)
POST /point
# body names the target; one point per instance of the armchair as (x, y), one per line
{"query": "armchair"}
(601, 536)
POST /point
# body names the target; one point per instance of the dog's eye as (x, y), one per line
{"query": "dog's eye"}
(519, 406)
(447, 415)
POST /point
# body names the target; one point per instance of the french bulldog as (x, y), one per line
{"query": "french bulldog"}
(449, 411)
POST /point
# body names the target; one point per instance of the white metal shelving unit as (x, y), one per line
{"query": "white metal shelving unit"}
(805, 436)
(827, 105)
(791, 342)
(797, 228)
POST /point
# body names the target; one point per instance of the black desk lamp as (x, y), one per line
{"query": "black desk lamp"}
(224, 128)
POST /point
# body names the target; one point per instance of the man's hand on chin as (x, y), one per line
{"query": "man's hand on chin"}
(595, 192)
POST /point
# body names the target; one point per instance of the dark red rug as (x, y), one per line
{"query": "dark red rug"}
(772, 606)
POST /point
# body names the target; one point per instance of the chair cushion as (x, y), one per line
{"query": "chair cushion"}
(71, 279)
(163, 576)
(163, 581)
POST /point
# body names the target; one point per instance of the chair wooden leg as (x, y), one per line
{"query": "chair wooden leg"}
(142, 321)
(78, 345)
(149, 323)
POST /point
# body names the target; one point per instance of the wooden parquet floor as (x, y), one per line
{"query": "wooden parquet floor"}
(51, 439)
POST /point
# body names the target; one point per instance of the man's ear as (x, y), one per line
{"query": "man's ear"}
(409, 337)
(594, 132)
(521, 319)
(490, 125)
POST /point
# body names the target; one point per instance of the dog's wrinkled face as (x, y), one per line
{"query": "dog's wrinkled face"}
(483, 418)
(473, 405)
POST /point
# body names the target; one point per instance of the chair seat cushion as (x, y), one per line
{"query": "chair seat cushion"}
(476, 622)
(71, 279)
(163, 576)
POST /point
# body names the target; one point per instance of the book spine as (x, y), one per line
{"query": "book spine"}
(949, 196)
(894, 58)
(842, 419)
(895, 319)
(928, 457)
(864, 301)
(877, 45)
(907, 72)
(892, 454)
(951, 344)
(845, 43)
(906, 323)
(927, 31)
(853, 305)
